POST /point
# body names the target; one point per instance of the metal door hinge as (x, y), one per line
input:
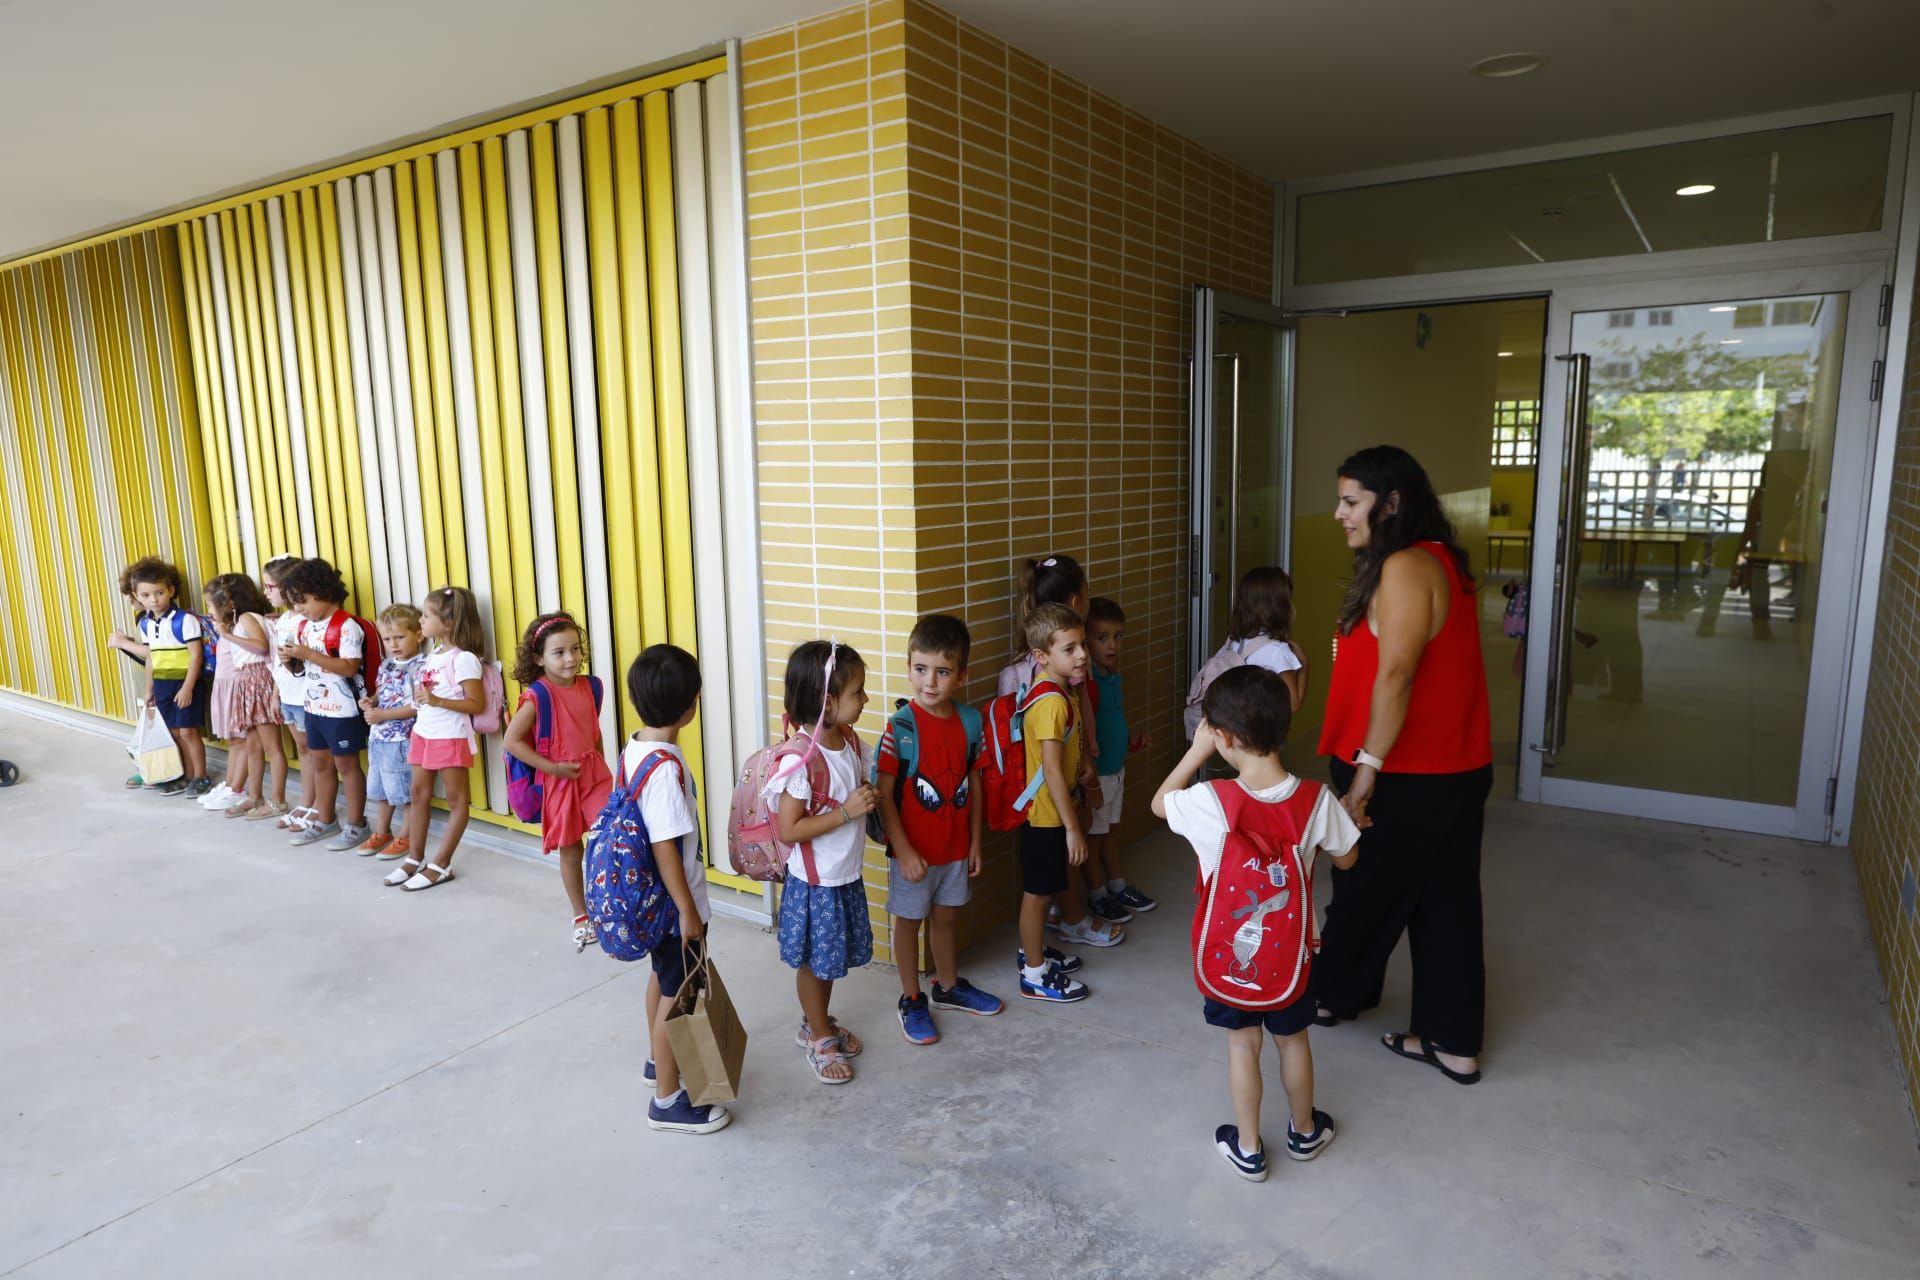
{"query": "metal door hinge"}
(1878, 382)
(1886, 305)
(1193, 568)
(1833, 794)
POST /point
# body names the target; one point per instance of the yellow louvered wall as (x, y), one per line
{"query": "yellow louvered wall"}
(501, 359)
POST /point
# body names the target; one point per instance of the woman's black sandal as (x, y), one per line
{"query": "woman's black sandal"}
(1397, 1043)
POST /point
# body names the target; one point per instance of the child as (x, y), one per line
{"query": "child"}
(245, 706)
(1060, 580)
(1113, 898)
(664, 683)
(1260, 628)
(293, 699)
(336, 731)
(933, 829)
(1053, 837)
(447, 694)
(174, 645)
(824, 930)
(578, 782)
(1246, 716)
(390, 711)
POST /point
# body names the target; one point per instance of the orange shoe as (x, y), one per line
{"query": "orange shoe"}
(392, 847)
(374, 844)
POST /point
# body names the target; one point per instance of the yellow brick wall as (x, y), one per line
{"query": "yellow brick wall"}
(1886, 822)
(972, 281)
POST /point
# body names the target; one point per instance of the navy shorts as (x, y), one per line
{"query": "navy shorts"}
(191, 716)
(670, 960)
(1043, 859)
(1287, 1020)
(342, 735)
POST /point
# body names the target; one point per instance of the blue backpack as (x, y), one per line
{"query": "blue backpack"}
(904, 733)
(526, 785)
(631, 910)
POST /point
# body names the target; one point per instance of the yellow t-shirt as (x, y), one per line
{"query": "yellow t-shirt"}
(1051, 719)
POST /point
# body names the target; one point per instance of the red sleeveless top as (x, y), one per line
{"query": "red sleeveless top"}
(1447, 729)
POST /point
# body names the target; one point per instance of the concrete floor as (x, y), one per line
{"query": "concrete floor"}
(223, 1057)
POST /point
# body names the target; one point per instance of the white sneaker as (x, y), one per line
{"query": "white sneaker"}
(313, 830)
(350, 837)
(1087, 936)
(220, 798)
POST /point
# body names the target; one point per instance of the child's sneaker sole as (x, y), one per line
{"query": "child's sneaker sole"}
(720, 1120)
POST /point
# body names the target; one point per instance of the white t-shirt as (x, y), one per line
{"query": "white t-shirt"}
(669, 804)
(286, 630)
(1196, 814)
(1277, 657)
(327, 693)
(445, 673)
(838, 854)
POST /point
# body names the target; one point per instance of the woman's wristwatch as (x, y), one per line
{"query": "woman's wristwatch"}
(1363, 758)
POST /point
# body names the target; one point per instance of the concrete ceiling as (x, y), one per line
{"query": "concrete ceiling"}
(117, 110)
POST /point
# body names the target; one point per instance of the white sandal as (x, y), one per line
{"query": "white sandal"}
(296, 818)
(404, 872)
(826, 1052)
(419, 881)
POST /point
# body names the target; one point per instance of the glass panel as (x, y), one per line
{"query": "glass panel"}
(1249, 455)
(1782, 184)
(1459, 388)
(1699, 563)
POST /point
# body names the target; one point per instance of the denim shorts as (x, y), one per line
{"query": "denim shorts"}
(944, 885)
(389, 776)
(296, 718)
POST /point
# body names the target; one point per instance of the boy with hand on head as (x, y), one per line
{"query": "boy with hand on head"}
(1256, 836)
(1109, 896)
(664, 683)
(1053, 837)
(926, 772)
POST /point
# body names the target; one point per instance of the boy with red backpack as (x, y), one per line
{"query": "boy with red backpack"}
(1256, 836)
(338, 656)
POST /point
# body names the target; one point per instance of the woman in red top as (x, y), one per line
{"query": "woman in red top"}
(1407, 731)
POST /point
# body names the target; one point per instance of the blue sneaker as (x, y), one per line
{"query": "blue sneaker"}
(649, 1074)
(916, 1024)
(1055, 957)
(1055, 986)
(1305, 1146)
(1136, 900)
(1110, 908)
(681, 1116)
(967, 998)
(1226, 1140)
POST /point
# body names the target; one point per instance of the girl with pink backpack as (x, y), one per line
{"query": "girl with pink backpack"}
(1258, 635)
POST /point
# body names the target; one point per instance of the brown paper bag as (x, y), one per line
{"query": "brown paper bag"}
(709, 1040)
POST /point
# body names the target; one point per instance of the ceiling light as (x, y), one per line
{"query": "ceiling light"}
(1723, 308)
(1503, 354)
(1697, 189)
(1507, 65)
(1730, 342)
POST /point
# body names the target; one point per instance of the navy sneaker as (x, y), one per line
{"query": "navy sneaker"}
(1056, 959)
(178, 787)
(967, 998)
(1055, 986)
(1226, 1140)
(1109, 908)
(649, 1074)
(916, 1024)
(1307, 1146)
(1136, 901)
(683, 1117)
(199, 787)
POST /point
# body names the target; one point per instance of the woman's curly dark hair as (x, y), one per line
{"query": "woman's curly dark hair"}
(533, 642)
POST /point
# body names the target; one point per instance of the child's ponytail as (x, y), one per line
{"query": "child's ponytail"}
(1054, 580)
(1262, 605)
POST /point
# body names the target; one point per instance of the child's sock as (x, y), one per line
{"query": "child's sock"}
(1117, 885)
(1035, 975)
(1242, 1140)
(668, 1101)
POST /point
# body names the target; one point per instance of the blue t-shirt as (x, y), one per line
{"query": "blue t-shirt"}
(1110, 734)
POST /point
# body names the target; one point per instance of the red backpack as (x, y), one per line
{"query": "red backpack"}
(370, 650)
(1003, 765)
(1253, 928)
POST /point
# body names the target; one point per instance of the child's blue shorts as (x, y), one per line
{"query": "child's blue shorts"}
(825, 927)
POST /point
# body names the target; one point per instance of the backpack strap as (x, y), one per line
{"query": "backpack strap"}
(335, 625)
(599, 692)
(1027, 702)
(975, 729)
(543, 711)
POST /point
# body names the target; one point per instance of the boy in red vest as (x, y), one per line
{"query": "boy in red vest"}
(1253, 928)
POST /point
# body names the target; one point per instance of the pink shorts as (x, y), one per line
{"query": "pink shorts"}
(440, 753)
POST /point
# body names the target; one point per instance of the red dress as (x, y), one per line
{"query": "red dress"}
(571, 804)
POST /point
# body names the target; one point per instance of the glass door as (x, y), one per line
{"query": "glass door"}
(1690, 654)
(1241, 415)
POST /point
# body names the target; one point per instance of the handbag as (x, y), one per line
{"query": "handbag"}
(153, 749)
(709, 1040)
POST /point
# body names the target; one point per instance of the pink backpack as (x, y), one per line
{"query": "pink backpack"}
(753, 826)
(491, 718)
(1220, 663)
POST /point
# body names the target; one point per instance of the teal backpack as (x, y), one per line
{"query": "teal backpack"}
(904, 733)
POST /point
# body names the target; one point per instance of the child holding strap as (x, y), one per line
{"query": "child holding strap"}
(550, 664)
(446, 696)
(824, 930)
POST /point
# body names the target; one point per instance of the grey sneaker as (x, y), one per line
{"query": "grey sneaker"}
(350, 837)
(314, 831)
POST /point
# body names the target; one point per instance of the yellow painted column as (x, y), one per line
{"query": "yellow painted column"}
(225, 491)
(553, 330)
(424, 443)
(433, 275)
(265, 525)
(644, 449)
(511, 479)
(175, 273)
(136, 285)
(34, 444)
(487, 399)
(348, 419)
(72, 478)
(314, 226)
(300, 302)
(268, 334)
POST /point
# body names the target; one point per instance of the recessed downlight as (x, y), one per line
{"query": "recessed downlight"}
(1723, 308)
(1507, 65)
(1695, 189)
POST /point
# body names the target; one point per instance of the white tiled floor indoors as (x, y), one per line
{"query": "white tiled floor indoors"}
(223, 1057)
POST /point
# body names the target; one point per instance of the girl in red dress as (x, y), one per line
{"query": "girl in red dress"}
(577, 782)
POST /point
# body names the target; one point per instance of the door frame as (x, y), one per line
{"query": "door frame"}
(1809, 816)
(1208, 303)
